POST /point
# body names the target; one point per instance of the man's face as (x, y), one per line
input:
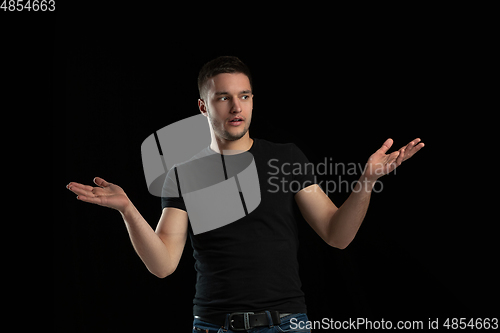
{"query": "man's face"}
(229, 105)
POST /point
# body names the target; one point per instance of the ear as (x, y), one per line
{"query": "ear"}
(202, 107)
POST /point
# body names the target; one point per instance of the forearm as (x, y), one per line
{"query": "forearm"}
(345, 222)
(147, 243)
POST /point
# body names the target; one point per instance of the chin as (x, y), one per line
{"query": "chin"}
(233, 136)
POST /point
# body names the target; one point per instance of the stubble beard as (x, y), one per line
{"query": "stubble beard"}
(221, 132)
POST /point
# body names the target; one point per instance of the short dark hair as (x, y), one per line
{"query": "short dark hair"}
(224, 64)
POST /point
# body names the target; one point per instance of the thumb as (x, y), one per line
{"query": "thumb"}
(101, 182)
(387, 144)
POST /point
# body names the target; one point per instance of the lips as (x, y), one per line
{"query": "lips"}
(236, 121)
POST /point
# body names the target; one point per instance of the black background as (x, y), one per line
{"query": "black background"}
(425, 249)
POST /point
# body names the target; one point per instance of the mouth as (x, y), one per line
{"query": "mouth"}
(236, 121)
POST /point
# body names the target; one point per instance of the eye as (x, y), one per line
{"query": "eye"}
(245, 97)
(223, 98)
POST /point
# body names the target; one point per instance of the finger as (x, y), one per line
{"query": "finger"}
(81, 191)
(418, 147)
(387, 144)
(73, 184)
(414, 150)
(101, 182)
(391, 162)
(401, 157)
(411, 145)
(99, 191)
(93, 200)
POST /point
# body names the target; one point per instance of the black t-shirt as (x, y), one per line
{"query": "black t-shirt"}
(251, 264)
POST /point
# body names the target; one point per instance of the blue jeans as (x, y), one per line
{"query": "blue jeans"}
(287, 325)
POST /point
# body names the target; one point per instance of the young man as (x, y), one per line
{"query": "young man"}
(247, 270)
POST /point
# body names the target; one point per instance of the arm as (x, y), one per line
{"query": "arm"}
(338, 226)
(161, 250)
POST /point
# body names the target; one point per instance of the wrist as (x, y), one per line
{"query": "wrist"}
(367, 181)
(127, 209)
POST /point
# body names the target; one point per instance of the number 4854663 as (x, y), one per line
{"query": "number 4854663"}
(29, 5)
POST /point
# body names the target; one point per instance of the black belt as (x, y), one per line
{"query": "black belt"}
(240, 321)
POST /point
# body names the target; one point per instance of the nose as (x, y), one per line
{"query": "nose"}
(236, 107)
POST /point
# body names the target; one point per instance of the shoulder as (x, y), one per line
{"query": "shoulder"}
(207, 152)
(268, 145)
(289, 149)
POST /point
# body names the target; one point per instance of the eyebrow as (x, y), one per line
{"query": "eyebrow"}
(218, 93)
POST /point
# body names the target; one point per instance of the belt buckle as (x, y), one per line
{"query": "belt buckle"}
(246, 321)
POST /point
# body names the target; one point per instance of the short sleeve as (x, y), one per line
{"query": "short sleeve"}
(171, 195)
(303, 173)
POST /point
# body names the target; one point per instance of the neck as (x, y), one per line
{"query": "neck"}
(226, 146)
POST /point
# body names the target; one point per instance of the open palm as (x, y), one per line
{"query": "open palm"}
(106, 194)
(380, 163)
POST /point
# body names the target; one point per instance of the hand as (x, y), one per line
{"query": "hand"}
(380, 163)
(107, 194)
